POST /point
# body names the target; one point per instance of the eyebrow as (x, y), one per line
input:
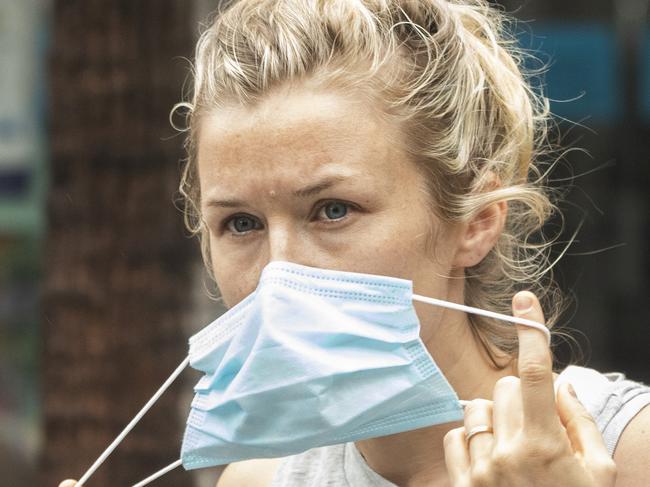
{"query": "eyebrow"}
(305, 192)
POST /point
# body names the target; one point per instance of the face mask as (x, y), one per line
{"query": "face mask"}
(313, 357)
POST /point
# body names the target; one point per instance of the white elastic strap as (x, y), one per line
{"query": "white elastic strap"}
(483, 312)
(133, 422)
(159, 473)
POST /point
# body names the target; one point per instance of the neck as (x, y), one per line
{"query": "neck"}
(416, 458)
(410, 459)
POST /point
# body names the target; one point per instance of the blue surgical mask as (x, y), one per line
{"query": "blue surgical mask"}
(312, 357)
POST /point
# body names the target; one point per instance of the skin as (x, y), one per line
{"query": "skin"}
(367, 212)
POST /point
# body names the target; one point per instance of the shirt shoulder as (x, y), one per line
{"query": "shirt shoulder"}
(611, 399)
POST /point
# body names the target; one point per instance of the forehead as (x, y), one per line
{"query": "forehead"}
(296, 131)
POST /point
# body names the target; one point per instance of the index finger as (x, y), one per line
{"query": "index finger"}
(535, 366)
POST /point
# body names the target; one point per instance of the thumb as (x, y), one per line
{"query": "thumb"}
(580, 426)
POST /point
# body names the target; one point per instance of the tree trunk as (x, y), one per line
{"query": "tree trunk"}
(117, 258)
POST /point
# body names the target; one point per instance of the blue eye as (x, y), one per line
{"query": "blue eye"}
(335, 210)
(242, 224)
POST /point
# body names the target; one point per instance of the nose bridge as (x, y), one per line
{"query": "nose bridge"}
(282, 241)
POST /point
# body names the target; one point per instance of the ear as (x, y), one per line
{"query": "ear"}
(480, 234)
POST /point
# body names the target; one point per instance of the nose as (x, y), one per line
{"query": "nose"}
(285, 241)
(281, 241)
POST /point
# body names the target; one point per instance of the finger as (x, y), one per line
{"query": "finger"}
(581, 429)
(507, 414)
(456, 456)
(535, 367)
(68, 483)
(478, 413)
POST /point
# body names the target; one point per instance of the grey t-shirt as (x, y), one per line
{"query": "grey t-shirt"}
(611, 399)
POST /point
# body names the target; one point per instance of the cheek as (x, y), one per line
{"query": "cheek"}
(234, 283)
(403, 248)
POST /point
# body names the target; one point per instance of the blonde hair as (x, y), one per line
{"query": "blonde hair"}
(450, 73)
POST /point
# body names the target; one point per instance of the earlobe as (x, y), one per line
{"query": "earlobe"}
(480, 234)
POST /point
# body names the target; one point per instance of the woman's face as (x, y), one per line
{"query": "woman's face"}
(313, 178)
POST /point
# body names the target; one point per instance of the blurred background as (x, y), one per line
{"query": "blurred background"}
(100, 286)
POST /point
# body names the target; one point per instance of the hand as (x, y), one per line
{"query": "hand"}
(535, 442)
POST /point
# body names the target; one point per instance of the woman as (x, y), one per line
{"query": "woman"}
(400, 138)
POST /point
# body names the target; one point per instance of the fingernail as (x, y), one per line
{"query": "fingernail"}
(523, 303)
(572, 391)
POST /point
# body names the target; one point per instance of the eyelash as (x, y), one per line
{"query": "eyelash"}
(318, 208)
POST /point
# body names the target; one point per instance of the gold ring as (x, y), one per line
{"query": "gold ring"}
(483, 428)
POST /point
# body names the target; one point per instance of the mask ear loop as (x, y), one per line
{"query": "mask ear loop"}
(159, 473)
(483, 312)
(133, 422)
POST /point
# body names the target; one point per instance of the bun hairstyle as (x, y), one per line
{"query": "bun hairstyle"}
(450, 73)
